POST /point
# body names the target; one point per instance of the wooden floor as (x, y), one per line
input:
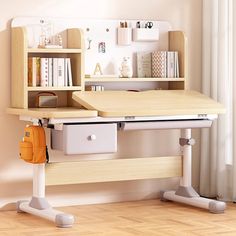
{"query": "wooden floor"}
(142, 218)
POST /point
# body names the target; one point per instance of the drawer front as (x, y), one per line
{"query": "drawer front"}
(86, 139)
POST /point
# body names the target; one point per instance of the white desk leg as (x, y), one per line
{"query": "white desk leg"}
(185, 193)
(39, 206)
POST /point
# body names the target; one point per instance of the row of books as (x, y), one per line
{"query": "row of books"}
(158, 64)
(49, 72)
(94, 88)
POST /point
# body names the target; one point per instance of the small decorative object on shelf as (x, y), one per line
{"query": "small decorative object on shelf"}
(46, 38)
(98, 69)
(56, 42)
(46, 100)
(126, 70)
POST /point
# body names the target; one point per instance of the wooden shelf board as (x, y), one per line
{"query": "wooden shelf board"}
(68, 88)
(60, 112)
(54, 50)
(87, 80)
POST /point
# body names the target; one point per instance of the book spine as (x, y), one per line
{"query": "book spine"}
(176, 64)
(50, 72)
(144, 65)
(30, 71)
(54, 76)
(159, 64)
(170, 64)
(70, 81)
(34, 72)
(66, 82)
(61, 71)
(38, 71)
(44, 72)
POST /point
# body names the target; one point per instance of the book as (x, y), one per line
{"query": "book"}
(38, 70)
(44, 72)
(60, 71)
(33, 71)
(66, 82)
(170, 64)
(50, 71)
(30, 71)
(144, 65)
(54, 73)
(159, 63)
(70, 81)
(176, 65)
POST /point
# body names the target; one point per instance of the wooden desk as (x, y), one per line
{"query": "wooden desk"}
(117, 107)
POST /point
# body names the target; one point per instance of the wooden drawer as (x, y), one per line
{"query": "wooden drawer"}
(85, 139)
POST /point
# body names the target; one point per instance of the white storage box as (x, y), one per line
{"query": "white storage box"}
(85, 138)
(145, 34)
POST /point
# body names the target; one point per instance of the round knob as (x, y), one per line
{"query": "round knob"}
(191, 141)
(92, 137)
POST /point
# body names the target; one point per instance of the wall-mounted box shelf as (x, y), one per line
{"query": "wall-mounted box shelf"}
(145, 34)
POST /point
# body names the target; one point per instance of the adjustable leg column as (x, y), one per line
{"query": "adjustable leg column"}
(185, 193)
(39, 206)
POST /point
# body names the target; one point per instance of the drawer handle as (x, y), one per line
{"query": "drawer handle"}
(92, 137)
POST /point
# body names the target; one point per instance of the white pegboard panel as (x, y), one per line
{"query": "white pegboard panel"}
(97, 31)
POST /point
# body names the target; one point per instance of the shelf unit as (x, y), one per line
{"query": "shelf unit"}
(177, 42)
(23, 96)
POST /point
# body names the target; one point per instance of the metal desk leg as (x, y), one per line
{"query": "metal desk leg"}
(185, 193)
(39, 206)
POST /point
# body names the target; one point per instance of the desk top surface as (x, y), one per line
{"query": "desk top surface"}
(148, 103)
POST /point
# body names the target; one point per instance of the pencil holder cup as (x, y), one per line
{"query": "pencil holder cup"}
(124, 36)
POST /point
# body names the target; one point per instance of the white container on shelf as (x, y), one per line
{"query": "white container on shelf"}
(124, 36)
(145, 34)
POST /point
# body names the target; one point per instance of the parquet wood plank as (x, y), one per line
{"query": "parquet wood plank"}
(141, 218)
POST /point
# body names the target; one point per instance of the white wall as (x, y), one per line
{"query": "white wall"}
(15, 175)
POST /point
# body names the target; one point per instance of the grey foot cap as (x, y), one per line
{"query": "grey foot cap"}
(217, 207)
(162, 196)
(18, 206)
(64, 220)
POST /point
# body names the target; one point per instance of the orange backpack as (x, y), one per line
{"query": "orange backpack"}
(33, 147)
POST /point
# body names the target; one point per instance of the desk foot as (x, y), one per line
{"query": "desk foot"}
(61, 219)
(213, 206)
